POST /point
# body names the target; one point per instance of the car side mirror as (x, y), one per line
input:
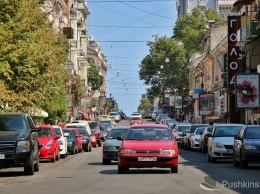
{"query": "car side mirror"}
(57, 136)
(102, 138)
(80, 135)
(119, 138)
(201, 133)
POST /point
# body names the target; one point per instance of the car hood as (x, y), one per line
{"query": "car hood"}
(13, 135)
(254, 142)
(224, 140)
(147, 145)
(113, 142)
(44, 140)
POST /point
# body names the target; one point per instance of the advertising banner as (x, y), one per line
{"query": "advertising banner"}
(178, 101)
(187, 102)
(206, 104)
(109, 102)
(247, 90)
(172, 101)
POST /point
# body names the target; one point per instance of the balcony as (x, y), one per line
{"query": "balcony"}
(251, 31)
(68, 31)
(73, 43)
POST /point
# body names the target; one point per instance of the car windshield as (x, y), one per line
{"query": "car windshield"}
(227, 131)
(57, 130)
(113, 114)
(114, 133)
(94, 126)
(253, 132)
(209, 129)
(83, 132)
(183, 128)
(12, 123)
(199, 130)
(194, 127)
(135, 118)
(45, 132)
(149, 134)
(69, 132)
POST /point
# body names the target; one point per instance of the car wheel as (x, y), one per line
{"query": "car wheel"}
(37, 165)
(174, 169)
(58, 157)
(76, 151)
(29, 168)
(90, 149)
(73, 152)
(99, 144)
(106, 161)
(243, 163)
(63, 156)
(208, 156)
(54, 158)
(235, 162)
(213, 160)
(121, 169)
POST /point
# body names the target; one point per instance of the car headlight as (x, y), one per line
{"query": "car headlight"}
(49, 144)
(167, 152)
(126, 151)
(249, 147)
(84, 141)
(218, 145)
(23, 145)
(61, 142)
(110, 148)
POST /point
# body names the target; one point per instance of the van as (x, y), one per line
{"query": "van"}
(80, 124)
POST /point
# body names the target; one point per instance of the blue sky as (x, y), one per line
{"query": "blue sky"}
(122, 29)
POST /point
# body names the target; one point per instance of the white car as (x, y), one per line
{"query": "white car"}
(195, 138)
(62, 140)
(221, 141)
(115, 115)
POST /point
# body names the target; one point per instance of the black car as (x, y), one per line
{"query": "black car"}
(72, 141)
(86, 141)
(246, 148)
(19, 142)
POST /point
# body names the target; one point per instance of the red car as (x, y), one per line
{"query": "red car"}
(96, 128)
(93, 140)
(147, 146)
(49, 146)
(79, 136)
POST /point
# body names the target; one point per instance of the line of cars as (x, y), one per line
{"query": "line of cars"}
(238, 142)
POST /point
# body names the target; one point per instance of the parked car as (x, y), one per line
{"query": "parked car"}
(187, 137)
(178, 133)
(203, 142)
(160, 117)
(96, 128)
(76, 126)
(19, 130)
(108, 122)
(104, 129)
(72, 141)
(93, 140)
(221, 140)
(136, 120)
(155, 113)
(49, 146)
(148, 145)
(86, 140)
(111, 145)
(62, 140)
(194, 139)
(246, 146)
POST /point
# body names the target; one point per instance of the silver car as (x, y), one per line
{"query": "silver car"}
(221, 140)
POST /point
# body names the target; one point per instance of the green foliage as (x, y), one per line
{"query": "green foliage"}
(174, 73)
(94, 79)
(32, 55)
(145, 106)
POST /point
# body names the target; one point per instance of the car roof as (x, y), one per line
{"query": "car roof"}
(120, 127)
(149, 125)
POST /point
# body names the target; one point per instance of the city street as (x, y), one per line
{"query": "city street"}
(84, 173)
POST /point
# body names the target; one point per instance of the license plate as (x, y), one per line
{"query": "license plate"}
(2, 156)
(147, 159)
(230, 151)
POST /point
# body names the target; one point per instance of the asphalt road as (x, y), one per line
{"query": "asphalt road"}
(84, 173)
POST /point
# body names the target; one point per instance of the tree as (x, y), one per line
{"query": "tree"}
(94, 79)
(145, 106)
(174, 73)
(32, 55)
(190, 29)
